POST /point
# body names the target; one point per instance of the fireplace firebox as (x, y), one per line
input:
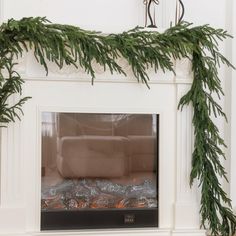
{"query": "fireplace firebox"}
(99, 170)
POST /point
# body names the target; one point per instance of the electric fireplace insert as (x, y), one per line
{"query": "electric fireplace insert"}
(99, 171)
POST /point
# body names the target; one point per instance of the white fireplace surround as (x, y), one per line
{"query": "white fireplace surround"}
(69, 90)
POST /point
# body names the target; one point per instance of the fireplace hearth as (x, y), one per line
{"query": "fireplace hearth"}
(99, 171)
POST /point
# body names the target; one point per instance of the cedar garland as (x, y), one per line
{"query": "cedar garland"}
(70, 45)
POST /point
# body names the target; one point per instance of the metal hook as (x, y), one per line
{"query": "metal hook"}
(148, 12)
(182, 11)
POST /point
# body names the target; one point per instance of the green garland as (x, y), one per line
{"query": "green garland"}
(65, 44)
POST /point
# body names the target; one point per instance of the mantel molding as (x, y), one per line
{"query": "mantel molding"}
(30, 70)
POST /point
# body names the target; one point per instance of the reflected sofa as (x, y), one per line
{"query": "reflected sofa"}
(96, 146)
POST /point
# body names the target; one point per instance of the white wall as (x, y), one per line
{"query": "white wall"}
(95, 14)
(112, 14)
(105, 15)
(211, 12)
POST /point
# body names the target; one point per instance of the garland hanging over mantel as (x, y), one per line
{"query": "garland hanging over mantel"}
(65, 44)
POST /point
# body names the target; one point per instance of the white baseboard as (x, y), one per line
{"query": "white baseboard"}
(131, 232)
(185, 232)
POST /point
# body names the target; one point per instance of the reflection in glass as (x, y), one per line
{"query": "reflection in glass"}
(98, 161)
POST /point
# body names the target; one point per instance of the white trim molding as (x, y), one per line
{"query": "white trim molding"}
(233, 115)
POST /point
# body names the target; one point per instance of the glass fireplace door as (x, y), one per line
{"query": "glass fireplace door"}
(99, 170)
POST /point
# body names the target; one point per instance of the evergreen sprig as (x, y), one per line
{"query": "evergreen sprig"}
(71, 45)
(9, 86)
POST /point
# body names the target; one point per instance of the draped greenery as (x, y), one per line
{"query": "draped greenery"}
(71, 45)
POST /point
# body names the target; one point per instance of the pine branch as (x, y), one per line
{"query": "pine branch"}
(206, 164)
(8, 87)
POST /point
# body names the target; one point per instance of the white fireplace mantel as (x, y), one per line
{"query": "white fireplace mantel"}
(71, 91)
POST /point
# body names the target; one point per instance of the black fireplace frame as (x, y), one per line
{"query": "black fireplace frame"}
(99, 219)
(104, 218)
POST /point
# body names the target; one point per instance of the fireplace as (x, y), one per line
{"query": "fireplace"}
(99, 170)
(68, 94)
